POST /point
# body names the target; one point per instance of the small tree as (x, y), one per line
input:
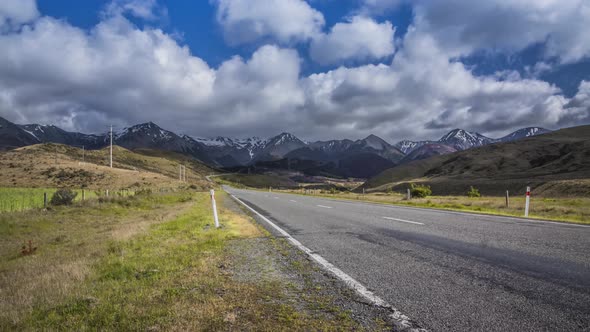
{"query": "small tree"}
(420, 191)
(473, 192)
(63, 197)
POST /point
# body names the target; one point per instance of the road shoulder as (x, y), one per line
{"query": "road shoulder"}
(308, 287)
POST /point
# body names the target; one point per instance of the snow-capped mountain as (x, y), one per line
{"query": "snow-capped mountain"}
(279, 146)
(229, 152)
(428, 150)
(407, 147)
(151, 136)
(524, 133)
(48, 133)
(343, 149)
(462, 140)
(373, 142)
(14, 136)
(331, 147)
(238, 143)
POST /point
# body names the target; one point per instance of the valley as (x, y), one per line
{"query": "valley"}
(295, 165)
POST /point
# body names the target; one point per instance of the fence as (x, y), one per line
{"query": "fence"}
(23, 199)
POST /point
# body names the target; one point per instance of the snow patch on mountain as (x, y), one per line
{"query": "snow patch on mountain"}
(524, 133)
(462, 140)
(32, 134)
(407, 147)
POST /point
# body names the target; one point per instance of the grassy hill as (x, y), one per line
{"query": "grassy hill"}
(554, 164)
(56, 165)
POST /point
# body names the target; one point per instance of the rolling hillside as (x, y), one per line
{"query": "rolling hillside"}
(56, 165)
(556, 163)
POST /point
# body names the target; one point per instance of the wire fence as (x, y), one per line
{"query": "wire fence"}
(23, 199)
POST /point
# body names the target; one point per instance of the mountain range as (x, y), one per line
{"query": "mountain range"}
(359, 158)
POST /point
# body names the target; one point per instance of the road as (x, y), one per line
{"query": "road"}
(447, 271)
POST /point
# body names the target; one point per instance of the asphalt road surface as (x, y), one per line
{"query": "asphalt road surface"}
(447, 271)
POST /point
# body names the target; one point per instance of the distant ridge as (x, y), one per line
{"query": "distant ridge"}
(231, 152)
(556, 163)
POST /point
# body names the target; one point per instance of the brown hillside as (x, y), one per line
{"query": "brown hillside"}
(55, 165)
(554, 164)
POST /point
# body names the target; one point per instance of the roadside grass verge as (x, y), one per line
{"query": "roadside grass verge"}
(572, 210)
(149, 262)
(69, 241)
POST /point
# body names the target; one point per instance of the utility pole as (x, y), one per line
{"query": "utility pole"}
(83, 155)
(111, 159)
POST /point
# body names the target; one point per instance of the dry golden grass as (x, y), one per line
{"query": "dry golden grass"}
(53, 165)
(144, 263)
(575, 210)
(70, 242)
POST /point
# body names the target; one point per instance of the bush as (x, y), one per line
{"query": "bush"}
(420, 191)
(143, 192)
(473, 192)
(63, 197)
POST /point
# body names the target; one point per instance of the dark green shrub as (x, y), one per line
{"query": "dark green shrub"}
(473, 192)
(143, 192)
(63, 197)
(420, 191)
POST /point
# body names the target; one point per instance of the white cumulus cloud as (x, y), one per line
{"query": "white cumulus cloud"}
(286, 21)
(463, 26)
(422, 94)
(17, 11)
(117, 72)
(362, 38)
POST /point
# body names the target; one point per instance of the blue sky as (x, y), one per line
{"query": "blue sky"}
(195, 22)
(319, 68)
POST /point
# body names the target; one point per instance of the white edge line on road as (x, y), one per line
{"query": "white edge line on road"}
(323, 206)
(403, 320)
(294, 201)
(402, 220)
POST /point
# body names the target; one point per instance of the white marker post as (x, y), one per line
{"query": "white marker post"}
(214, 208)
(111, 154)
(528, 201)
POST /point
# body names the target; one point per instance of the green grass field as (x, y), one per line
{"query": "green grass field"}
(23, 199)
